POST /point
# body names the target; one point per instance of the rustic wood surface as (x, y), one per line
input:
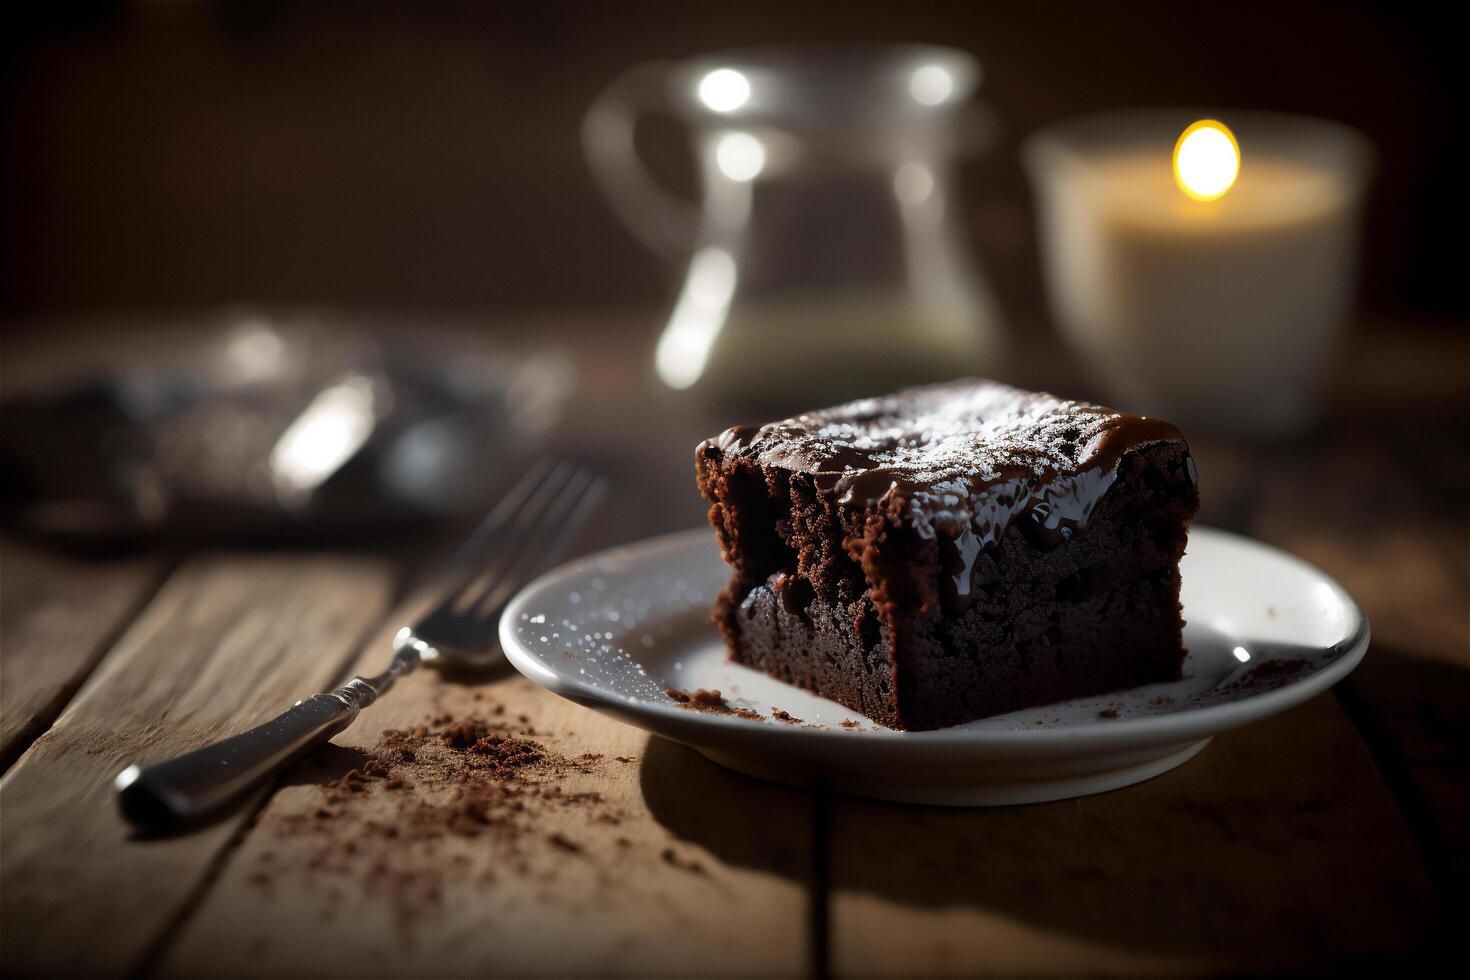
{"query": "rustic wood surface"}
(1259, 876)
(58, 616)
(227, 642)
(1333, 832)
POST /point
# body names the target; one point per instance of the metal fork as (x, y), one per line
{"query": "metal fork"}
(526, 532)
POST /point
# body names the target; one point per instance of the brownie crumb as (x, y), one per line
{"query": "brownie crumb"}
(671, 857)
(849, 723)
(712, 702)
(698, 699)
(785, 716)
(1259, 678)
(1272, 669)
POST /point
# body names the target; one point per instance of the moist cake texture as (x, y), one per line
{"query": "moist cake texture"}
(954, 551)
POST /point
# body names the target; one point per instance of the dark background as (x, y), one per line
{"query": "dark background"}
(426, 157)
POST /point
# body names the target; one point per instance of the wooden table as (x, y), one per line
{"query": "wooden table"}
(1338, 830)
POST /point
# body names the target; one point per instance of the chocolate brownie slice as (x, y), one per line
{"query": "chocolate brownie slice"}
(954, 551)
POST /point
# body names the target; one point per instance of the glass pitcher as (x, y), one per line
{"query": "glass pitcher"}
(826, 258)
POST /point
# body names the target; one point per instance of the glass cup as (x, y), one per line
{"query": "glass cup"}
(825, 258)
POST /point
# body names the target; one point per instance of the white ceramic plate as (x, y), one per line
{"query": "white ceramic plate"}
(1265, 631)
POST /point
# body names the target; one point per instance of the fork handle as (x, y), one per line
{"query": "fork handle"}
(201, 782)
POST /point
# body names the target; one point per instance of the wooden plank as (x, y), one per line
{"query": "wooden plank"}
(57, 617)
(1386, 513)
(227, 642)
(681, 869)
(1409, 697)
(1277, 847)
(1379, 501)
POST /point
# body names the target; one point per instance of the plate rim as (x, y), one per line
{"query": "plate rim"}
(1189, 723)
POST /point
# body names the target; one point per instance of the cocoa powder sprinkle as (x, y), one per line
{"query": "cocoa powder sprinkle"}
(393, 818)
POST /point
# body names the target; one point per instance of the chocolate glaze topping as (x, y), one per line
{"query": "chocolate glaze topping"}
(971, 458)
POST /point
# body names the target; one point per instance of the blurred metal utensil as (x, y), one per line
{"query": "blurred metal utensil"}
(281, 429)
(526, 533)
(319, 441)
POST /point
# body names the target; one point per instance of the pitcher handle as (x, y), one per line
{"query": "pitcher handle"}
(665, 223)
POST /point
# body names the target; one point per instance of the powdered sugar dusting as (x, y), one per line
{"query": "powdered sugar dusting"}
(954, 433)
(969, 459)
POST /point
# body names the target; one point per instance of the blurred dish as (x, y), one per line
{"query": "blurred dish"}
(614, 632)
(280, 428)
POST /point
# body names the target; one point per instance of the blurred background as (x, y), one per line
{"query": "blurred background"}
(426, 157)
(217, 172)
(290, 213)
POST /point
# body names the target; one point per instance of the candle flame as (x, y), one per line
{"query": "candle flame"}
(1206, 160)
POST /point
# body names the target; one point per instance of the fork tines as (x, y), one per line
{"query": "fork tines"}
(527, 532)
